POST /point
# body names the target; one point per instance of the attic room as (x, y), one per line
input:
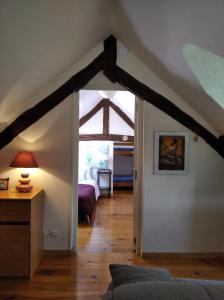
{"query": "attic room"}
(106, 163)
(108, 116)
(170, 57)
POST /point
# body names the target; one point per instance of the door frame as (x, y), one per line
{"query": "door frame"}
(138, 157)
(138, 176)
(75, 159)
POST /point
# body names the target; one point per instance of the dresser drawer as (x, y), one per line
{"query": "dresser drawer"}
(14, 235)
(14, 211)
(14, 261)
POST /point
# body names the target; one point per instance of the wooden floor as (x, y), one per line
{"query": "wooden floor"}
(86, 275)
(111, 229)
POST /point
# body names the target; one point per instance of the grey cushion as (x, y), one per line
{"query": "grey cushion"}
(216, 292)
(200, 281)
(126, 274)
(163, 290)
(107, 296)
(144, 283)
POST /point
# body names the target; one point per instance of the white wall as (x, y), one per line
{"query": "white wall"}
(50, 139)
(180, 213)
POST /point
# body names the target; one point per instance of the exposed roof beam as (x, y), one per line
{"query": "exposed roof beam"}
(106, 116)
(165, 105)
(104, 137)
(110, 57)
(91, 113)
(122, 115)
(30, 116)
(105, 104)
(107, 62)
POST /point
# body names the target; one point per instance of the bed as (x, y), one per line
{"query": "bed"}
(123, 166)
(123, 180)
(88, 194)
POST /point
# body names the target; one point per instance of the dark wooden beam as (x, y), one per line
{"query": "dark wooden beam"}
(116, 74)
(122, 115)
(107, 62)
(104, 137)
(106, 116)
(110, 56)
(91, 113)
(30, 116)
(105, 104)
(221, 140)
(124, 144)
(165, 105)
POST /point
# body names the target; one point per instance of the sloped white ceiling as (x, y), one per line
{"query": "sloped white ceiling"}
(93, 125)
(156, 32)
(118, 126)
(40, 39)
(208, 68)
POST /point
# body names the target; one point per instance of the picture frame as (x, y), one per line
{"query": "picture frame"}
(171, 152)
(4, 184)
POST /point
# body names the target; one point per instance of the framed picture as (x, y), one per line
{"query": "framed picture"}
(171, 151)
(4, 183)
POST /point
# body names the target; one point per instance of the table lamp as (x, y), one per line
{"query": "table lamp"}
(24, 160)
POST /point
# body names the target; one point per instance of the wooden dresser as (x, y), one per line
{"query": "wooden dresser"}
(21, 237)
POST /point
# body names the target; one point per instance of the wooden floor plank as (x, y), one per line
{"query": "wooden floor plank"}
(86, 275)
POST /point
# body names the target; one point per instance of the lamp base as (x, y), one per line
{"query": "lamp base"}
(24, 188)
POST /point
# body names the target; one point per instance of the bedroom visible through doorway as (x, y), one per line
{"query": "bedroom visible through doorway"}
(105, 171)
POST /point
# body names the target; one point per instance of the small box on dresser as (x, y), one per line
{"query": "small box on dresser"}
(21, 234)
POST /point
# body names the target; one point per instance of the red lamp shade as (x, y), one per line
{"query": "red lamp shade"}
(24, 160)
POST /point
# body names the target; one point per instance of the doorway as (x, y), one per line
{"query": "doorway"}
(117, 210)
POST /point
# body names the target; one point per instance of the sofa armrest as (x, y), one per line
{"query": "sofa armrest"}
(163, 290)
(199, 281)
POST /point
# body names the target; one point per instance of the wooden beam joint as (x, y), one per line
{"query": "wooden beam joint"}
(110, 58)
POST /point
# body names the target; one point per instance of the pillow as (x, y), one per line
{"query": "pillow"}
(125, 274)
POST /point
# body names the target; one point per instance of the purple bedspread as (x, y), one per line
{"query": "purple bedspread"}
(87, 199)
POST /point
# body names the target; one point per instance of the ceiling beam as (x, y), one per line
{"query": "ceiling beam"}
(117, 74)
(106, 116)
(165, 105)
(105, 137)
(30, 116)
(122, 115)
(110, 57)
(105, 104)
(106, 61)
(91, 113)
